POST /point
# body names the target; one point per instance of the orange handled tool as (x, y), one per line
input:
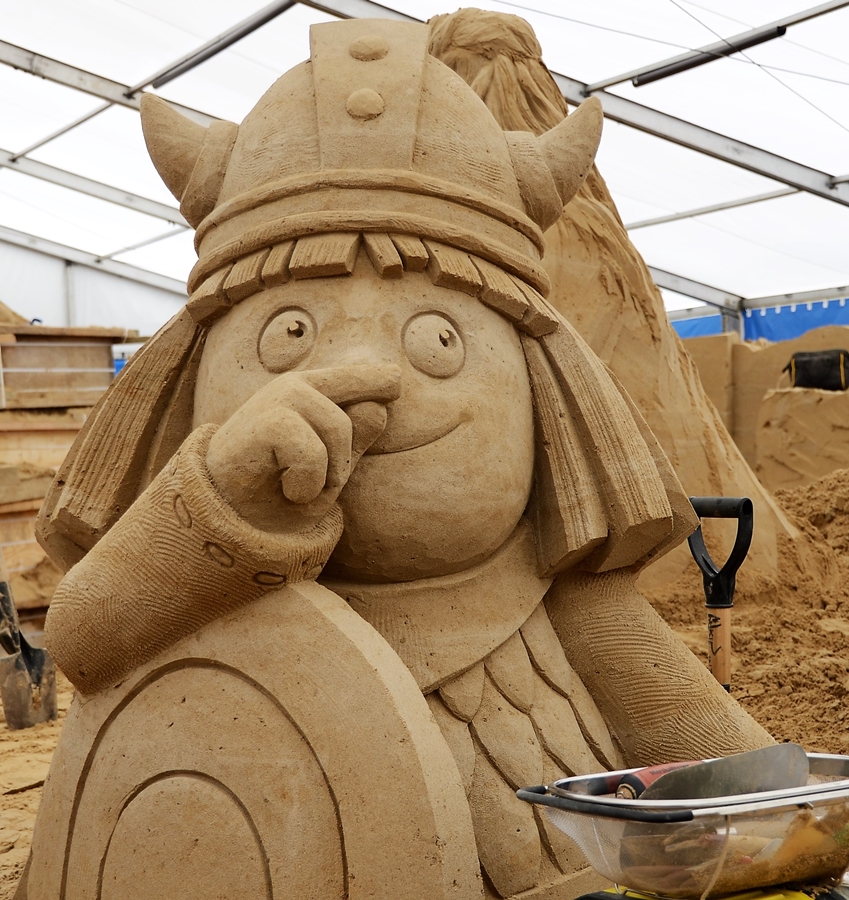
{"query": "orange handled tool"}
(720, 583)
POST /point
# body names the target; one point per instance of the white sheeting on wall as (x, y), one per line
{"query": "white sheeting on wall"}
(33, 284)
(40, 286)
(100, 298)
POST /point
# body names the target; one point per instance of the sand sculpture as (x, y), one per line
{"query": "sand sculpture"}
(352, 541)
(801, 436)
(791, 437)
(602, 286)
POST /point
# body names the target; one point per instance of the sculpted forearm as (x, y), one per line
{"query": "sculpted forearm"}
(661, 703)
(179, 558)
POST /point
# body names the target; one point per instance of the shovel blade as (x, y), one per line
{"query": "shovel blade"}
(24, 702)
(768, 769)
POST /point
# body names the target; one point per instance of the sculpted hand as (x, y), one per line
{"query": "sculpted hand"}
(283, 457)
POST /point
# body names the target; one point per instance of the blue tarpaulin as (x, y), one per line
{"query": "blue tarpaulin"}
(775, 323)
(780, 323)
(698, 327)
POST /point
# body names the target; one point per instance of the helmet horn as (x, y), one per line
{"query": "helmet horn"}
(190, 158)
(570, 147)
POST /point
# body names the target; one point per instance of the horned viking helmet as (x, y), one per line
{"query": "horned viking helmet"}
(371, 134)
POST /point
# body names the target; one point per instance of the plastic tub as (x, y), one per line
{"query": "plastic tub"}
(696, 848)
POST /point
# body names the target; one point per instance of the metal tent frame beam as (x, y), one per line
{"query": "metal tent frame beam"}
(91, 188)
(81, 80)
(695, 312)
(719, 146)
(358, 9)
(726, 302)
(723, 300)
(836, 293)
(716, 207)
(101, 264)
(720, 49)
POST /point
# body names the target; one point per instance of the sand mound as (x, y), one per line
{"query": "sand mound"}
(824, 504)
(791, 631)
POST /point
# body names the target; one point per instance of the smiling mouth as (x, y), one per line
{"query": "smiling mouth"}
(376, 450)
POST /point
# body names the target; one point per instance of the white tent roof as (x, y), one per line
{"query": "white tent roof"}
(779, 108)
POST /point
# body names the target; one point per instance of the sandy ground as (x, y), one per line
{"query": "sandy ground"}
(24, 760)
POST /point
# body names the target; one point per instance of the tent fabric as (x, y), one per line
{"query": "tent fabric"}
(773, 323)
(788, 96)
(699, 327)
(781, 323)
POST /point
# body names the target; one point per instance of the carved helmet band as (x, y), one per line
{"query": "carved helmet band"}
(370, 136)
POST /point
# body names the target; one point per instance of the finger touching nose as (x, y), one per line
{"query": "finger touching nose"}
(344, 385)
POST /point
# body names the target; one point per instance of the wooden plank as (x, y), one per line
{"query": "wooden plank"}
(21, 556)
(25, 506)
(25, 489)
(16, 530)
(42, 420)
(2, 385)
(57, 355)
(113, 335)
(41, 374)
(52, 399)
(41, 448)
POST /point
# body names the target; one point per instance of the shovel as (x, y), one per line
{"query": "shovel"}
(720, 583)
(768, 769)
(27, 675)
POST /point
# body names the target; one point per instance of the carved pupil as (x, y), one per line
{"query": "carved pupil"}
(286, 340)
(433, 345)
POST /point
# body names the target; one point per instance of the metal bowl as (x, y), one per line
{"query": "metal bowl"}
(696, 848)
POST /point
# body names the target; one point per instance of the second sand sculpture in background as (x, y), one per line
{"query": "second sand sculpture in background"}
(352, 541)
(602, 286)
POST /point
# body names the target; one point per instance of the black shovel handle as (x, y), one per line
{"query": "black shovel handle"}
(13, 642)
(10, 632)
(720, 582)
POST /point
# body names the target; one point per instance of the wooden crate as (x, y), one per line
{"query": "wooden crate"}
(50, 378)
(32, 575)
(44, 367)
(40, 438)
(31, 439)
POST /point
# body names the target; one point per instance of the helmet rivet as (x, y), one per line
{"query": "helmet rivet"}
(369, 48)
(365, 104)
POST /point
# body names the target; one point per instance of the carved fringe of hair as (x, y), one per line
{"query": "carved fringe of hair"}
(321, 255)
(604, 492)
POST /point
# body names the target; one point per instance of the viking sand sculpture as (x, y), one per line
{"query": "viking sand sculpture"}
(351, 543)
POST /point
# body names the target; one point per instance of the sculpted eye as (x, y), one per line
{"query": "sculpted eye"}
(433, 345)
(287, 339)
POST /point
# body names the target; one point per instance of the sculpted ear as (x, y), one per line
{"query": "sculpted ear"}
(551, 168)
(191, 159)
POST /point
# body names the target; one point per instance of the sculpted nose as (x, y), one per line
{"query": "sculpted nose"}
(366, 342)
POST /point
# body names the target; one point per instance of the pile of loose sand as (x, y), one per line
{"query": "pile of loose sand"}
(790, 632)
